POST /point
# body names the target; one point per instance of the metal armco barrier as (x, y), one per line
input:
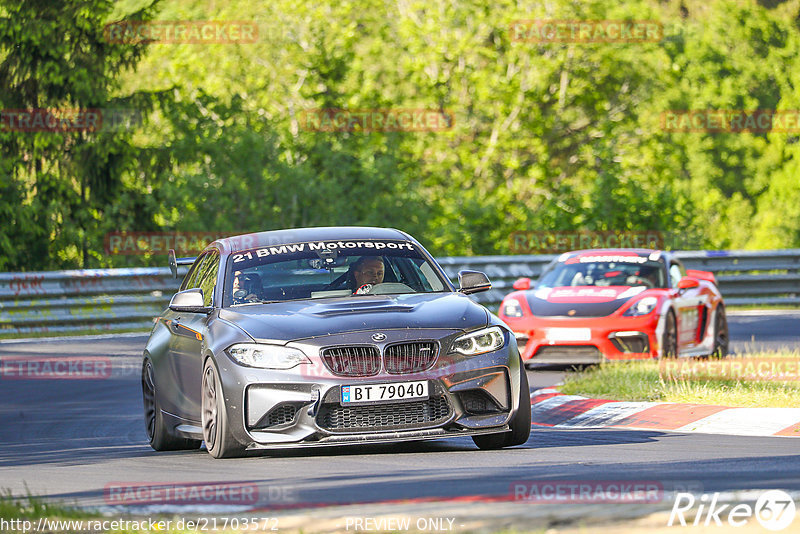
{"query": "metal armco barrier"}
(116, 299)
(96, 299)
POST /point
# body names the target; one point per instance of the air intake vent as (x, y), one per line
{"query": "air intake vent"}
(280, 415)
(398, 416)
(352, 361)
(410, 357)
(478, 402)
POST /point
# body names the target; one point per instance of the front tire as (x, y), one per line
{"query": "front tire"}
(520, 424)
(721, 336)
(669, 340)
(216, 429)
(158, 433)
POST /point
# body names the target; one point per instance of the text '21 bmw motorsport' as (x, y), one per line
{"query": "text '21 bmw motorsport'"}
(616, 304)
(323, 336)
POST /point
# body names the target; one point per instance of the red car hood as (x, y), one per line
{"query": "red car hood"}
(580, 301)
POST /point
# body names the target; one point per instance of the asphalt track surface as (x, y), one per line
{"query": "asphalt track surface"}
(73, 439)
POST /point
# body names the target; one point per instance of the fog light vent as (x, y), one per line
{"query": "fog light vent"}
(630, 341)
(280, 415)
(478, 402)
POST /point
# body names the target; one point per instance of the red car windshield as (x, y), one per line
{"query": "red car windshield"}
(633, 271)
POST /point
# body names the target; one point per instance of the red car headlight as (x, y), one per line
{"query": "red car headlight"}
(641, 307)
(511, 308)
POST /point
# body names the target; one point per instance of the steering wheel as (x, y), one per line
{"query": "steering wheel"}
(363, 289)
(240, 296)
(634, 280)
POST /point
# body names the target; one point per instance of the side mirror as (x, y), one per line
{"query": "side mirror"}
(473, 282)
(702, 275)
(173, 263)
(522, 284)
(688, 283)
(190, 301)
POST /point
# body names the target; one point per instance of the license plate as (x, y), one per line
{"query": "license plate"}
(569, 334)
(384, 392)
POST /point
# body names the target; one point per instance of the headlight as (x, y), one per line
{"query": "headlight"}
(511, 308)
(642, 307)
(485, 340)
(267, 356)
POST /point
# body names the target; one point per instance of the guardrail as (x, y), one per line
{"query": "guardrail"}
(117, 299)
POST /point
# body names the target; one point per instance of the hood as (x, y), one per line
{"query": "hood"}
(292, 320)
(580, 301)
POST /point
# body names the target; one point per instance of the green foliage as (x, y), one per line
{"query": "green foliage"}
(57, 185)
(555, 136)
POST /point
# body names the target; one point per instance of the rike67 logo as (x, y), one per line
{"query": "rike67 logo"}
(774, 510)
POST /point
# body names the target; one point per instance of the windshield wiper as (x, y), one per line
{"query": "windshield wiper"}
(257, 302)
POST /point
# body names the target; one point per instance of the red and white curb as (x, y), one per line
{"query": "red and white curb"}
(553, 409)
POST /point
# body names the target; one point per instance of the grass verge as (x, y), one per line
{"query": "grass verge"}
(21, 514)
(28, 515)
(646, 381)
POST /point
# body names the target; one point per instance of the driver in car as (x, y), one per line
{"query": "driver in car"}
(246, 287)
(367, 271)
(646, 276)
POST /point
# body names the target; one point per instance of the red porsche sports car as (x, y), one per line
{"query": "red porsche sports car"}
(616, 304)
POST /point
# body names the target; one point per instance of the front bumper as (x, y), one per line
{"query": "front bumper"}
(301, 406)
(594, 339)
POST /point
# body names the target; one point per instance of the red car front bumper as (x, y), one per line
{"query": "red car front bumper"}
(586, 340)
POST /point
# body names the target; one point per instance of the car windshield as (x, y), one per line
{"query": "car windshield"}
(615, 271)
(316, 270)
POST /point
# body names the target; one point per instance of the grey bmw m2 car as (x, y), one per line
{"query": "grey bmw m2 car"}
(328, 336)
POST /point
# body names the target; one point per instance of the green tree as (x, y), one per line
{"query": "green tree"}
(58, 185)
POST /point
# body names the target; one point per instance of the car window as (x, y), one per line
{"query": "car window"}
(193, 277)
(675, 274)
(315, 270)
(604, 270)
(428, 274)
(208, 278)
